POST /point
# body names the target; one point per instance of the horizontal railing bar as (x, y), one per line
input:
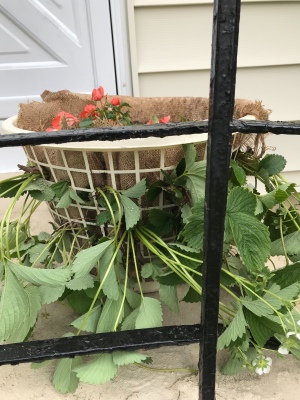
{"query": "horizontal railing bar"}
(41, 350)
(276, 127)
(143, 131)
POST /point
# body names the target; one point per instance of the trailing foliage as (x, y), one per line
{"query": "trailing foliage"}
(100, 281)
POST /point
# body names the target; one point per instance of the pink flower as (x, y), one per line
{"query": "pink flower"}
(164, 120)
(70, 118)
(150, 122)
(115, 101)
(50, 129)
(88, 110)
(97, 94)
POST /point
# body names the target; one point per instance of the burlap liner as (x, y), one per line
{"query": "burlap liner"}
(37, 116)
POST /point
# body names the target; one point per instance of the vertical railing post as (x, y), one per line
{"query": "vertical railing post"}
(222, 91)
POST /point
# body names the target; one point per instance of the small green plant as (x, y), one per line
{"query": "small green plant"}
(99, 281)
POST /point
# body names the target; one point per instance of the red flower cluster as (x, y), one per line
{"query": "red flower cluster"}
(155, 120)
(89, 110)
(107, 114)
(115, 101)
(98, 94)
(57, 121)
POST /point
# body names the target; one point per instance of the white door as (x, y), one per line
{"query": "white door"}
(54, 45)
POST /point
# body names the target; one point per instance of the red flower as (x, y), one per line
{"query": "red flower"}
(88, 110)
(164, 120)
(115, 101)
(50, 129)
(97, 94)
(150, 122)
(70, 118)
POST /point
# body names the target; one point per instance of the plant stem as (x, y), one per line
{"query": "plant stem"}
(102, 283)
(183, 370)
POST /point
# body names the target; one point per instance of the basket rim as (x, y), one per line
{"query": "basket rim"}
(9, 127)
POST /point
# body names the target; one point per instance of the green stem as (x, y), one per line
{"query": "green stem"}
(125, 287)
(110, 265)
(7, 216)
(110, 209)
(282, 242)
(130, 237)
(183, 370)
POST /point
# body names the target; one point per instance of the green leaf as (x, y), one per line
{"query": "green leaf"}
(127, 357)
(265, 177)
(79, 301)
(287, 294)
(262, 328)
(134, 299)
(100, 370)
(130, 321)
(1, 270)
(236, 329)
(74, 196)
(11, 186)
(273, 163)
(49, 294)
(38, 253)
(194, 228)
(196, 181)
(161, 221)
(185, 213)
(64, 379)
(136, 191)
(291, 243)
(109, 315)
(39, 276)
(34, 301)
(152, 269)
(190, 154)
(81, 283)
(250, 235)
(110, 285)
(40, 189)
(241, 200)
(39, 365)
(257, 307)
(92, 321)
(132, 212)
(59, 188)
(88, 258)
(43, 236)
(251, 238)
(296, 353)
(168, 296)
(150, 314)
(233, 366)
(18, 308)
(65, 201)
(239, 173)
(286, 276)
(103, 217)
(275, 197)
(29, 242)
(170, 279)
(191, 295)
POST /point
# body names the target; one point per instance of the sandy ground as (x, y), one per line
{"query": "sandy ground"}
(132, 383)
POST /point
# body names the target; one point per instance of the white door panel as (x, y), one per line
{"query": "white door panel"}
(54, 45)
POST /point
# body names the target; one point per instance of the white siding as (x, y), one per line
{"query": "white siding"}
(170, 44)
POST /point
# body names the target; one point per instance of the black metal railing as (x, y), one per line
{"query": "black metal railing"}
(220, 127)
